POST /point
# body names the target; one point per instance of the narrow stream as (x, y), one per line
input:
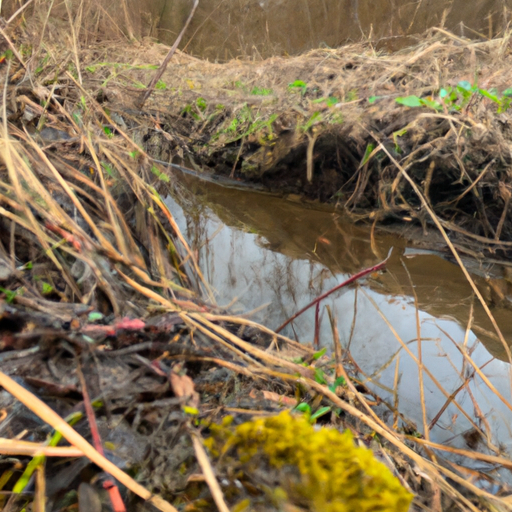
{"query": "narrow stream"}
(262, 249)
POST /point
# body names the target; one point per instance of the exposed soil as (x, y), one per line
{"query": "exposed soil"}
(322, 114)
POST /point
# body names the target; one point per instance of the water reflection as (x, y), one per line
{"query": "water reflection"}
(264, 250)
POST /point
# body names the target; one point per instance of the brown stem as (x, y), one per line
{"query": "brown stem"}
(160, 72)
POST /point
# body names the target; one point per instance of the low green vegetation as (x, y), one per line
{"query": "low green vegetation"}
(459, 97)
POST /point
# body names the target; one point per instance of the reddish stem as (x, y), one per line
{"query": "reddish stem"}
(351, 279)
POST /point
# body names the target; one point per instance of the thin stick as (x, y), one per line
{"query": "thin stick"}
(209, 475)
(39, 408)
(160, 72)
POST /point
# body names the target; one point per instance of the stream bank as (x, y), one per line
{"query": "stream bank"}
(107, 312)
(352, 127)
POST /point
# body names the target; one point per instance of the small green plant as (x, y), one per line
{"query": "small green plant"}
(315, 118)
(457, 98)
(330, 101)
(94, 316)
(108, 132)
(160, 175)
(201, 104)
(415, 101)
(398, 133)
(10, 295)
(7, 55)
(42, 64)
(298, 86)
(47, 288)
(161, 85)
(305, 408)
(108, 169)
(261, 91)
(191, 111)
(351, 95)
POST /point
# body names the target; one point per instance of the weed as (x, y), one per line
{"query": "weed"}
(315, 118)
(312, 417)
(47, 288)
(94, 316)
(108, 132)
(454, 99)
(161, 85)
(351, 95)
(9, 295)
(201, 104)
(398, 133)
(160, 175)
(330, 101)
(262, 91)
(298, 86)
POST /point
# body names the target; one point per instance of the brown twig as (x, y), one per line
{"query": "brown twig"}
(160, 72)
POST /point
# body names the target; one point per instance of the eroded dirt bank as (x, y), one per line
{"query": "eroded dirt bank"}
(327, 125)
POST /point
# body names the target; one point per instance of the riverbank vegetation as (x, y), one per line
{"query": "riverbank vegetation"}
(107, 318)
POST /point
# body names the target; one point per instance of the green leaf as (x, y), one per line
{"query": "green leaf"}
(47, 288)
(431, 103)
(369, 149)
(303, 407)
(464, 84)
(261, 91)
(108, 132)
(201, 104)
(507, 92)
(320, 376)
(489, 95)
(443, 93)
(298, 85)
(94, 316)
(340, 381)
(320, 353)
(410, 101)
(320, 412)
(9, 295)
(160, 175)
(315, 117)
(373, 99)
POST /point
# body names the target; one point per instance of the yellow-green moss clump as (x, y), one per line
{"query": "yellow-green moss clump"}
(320, 468)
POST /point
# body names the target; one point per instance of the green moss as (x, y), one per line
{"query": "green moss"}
(320, 468)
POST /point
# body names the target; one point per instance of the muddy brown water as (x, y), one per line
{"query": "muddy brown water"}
(224, 29)
(264, 250)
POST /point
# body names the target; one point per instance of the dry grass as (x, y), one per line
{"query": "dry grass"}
(84, 228)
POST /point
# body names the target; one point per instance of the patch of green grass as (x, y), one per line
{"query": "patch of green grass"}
(261, 91)
(457, 98)
(298, 86)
